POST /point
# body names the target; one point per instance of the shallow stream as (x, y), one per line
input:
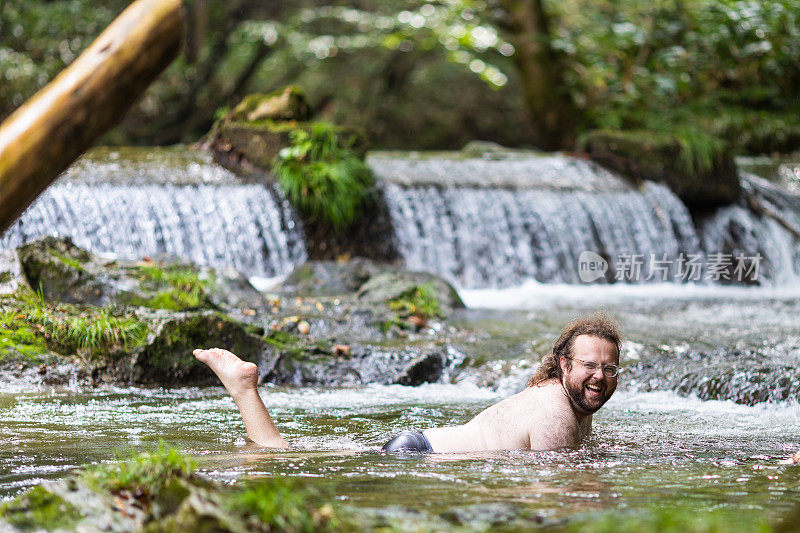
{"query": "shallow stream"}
(648, 448)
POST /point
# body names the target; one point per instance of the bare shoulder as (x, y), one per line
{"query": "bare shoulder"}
(555, 425)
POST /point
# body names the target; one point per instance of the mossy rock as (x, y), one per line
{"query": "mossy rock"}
(159, 491)
(282, 104)
(250, 147)
(167, 358)
(698, 168)
(391, 285)
(329, 278)
(64, 272)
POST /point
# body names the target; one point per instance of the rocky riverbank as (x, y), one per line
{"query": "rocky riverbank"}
(70, 316)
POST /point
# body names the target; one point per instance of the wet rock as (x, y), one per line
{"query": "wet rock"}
(747, 377)
(11, 275)
(482, 517)
(484, 150)
(66, 273)
(700, 171)
(394, 284)
(292, 360)
(167, 358)
(329, 278)
(228, 289)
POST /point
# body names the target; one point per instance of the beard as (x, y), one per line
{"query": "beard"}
(583, 399)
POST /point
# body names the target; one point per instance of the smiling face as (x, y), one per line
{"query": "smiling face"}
(588, 391)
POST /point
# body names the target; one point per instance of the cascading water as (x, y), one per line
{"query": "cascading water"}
(214, 221)
(536, 226)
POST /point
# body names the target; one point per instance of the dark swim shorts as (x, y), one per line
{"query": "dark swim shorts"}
(409, 442)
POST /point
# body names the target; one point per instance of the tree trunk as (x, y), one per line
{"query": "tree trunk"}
(553, 114)
(44, 136)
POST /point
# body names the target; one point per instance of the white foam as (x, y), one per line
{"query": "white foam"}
(535, 295)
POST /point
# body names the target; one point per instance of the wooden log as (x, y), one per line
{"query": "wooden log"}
(47, 133)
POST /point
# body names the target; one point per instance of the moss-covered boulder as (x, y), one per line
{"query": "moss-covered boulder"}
(158, 492)
(250, 147)
(64, 272)
(697, 167)
(282, 104)
(167, 358)
(330, 278)
(395, 285)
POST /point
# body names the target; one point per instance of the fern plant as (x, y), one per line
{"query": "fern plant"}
(322, 176)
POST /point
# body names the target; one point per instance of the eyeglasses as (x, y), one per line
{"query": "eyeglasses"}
(609, 371)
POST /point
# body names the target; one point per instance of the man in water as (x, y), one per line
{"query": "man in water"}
(554, 411)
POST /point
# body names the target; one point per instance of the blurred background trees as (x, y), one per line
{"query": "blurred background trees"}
(428, 75)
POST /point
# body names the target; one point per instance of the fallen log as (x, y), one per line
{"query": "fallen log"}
(47, 133)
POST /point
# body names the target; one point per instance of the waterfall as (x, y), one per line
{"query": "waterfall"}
(248, 227)
(541, 214)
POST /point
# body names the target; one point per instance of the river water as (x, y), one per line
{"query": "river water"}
(647, 448)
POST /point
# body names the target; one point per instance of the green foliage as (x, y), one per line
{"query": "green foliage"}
(413, 308)
(419, 302)
(699, 151)
(177, 288)
(381, 65)
(672, 520)
(148, 471)
(28, 325)
(322, 176)
(285, 505)
(18, 339)
(39, 509)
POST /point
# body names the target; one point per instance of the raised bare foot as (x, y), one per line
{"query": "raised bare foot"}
(238, 376)
(793, 460)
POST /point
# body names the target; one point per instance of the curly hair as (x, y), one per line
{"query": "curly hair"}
(597, 324)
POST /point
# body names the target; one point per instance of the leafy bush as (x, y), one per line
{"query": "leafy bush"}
(322, 176)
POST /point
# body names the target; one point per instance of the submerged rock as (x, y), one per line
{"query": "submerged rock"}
(698, 170)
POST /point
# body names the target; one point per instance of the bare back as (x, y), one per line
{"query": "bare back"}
(538, 418)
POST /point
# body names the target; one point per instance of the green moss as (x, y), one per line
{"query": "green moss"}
(149, 472)
(18, 338)
(70, 262)
(672, 520)
(174, 288)
(284, 505)
(297, 347)
(418, 301)
(322, 176)
(38, 509)
(30, 328)
(5, 277)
